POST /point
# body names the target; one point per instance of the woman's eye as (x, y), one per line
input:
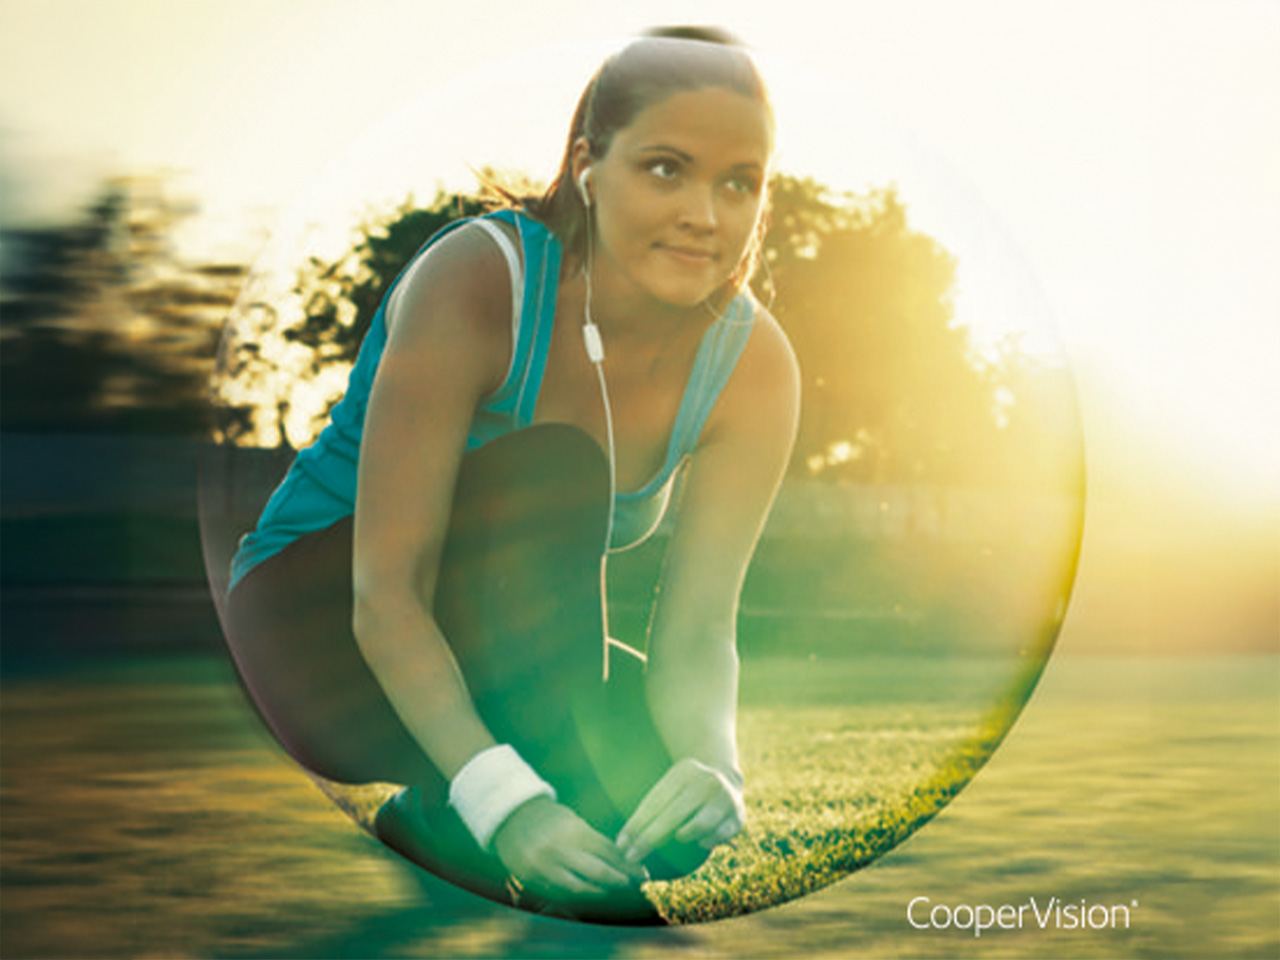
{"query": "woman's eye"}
(663, 169)
(743, 185)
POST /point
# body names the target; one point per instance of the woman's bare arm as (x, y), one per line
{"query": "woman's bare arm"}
(692, 677)
(449, 346)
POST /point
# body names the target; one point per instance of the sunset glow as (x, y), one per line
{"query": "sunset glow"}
(1137, 197)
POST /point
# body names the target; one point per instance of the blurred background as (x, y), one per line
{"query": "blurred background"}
(1129, 151)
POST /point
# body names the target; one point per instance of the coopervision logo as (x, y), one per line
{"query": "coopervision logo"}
(1055, 914)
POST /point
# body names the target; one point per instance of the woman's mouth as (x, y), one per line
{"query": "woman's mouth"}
(693, 256)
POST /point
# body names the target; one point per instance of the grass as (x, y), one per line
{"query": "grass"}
(839, 771)
(145, 814)
(816, 819)
(837, 774)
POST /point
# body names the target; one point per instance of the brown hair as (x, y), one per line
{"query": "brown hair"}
(663, 62)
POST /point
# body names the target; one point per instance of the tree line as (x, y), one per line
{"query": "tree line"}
(102, 328)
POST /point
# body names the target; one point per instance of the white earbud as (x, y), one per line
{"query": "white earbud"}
(590, 332)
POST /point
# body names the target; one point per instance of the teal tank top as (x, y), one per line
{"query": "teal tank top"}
(320, 487)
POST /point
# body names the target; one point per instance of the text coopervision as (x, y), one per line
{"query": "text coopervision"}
(1051, 914)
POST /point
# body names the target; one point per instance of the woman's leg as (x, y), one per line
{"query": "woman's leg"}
(519, 597)
(521, 601)
(288, 626)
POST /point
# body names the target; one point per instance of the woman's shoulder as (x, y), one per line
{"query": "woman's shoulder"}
(463, 273)
(762, 396)
(767, 356)
(764, 386)
(456, 299)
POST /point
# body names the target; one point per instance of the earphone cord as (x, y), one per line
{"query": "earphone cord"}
(595, 352)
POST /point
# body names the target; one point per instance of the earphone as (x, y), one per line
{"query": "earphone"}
(595, 352)
(590, 332)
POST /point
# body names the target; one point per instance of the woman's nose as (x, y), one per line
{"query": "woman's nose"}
(698, 208)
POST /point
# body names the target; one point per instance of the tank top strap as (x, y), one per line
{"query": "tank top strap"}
(517, 398)
(716, 360)
(717, 357)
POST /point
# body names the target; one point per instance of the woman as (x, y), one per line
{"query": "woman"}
(452, 511)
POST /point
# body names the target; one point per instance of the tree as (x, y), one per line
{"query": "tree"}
(892, 389)
(887, 378)
(102, 327)
(337, 301)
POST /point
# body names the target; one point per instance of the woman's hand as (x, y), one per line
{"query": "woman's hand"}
(691, 679)
(552, 850)
(692, 803)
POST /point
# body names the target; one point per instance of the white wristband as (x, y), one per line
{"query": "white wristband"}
(490, 786)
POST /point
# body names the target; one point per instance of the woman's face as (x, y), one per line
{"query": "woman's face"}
(677, 196)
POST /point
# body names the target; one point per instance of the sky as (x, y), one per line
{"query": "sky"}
(1120, 157)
